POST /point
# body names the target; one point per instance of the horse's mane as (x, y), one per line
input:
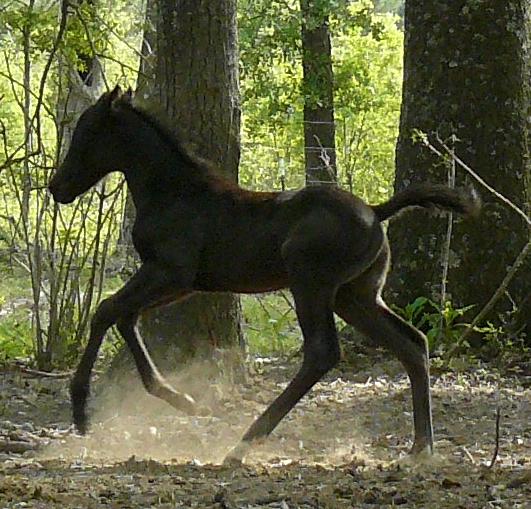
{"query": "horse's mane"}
(173, 138)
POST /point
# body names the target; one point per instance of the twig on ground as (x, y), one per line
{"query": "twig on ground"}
(43, 374)
(497, 446)
(468, 455)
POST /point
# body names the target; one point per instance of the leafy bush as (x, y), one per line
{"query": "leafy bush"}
(440, 323)
(16, 337)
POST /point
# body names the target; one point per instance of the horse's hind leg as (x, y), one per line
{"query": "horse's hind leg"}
(321, 353)
(144, 288)
(364, 309)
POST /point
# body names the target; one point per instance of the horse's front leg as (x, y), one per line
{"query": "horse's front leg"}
(148, 286)
(153, 381)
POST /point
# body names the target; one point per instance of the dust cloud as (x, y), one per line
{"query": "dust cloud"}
(126, 422)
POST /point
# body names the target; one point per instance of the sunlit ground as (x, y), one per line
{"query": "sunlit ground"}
(344, 445)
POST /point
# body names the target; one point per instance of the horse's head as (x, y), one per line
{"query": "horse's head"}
(95, 149)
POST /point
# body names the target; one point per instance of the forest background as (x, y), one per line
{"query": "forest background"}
(58, 263)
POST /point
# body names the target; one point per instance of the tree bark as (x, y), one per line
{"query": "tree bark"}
(144, 88)
(318, 93)
(196, 83)
(466, 73)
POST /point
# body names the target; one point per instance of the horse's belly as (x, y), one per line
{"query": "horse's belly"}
(245, 277)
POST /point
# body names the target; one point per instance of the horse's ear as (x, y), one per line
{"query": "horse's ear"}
(128, 96)
(124, 99)
(120, 99)
(108, 97)
(115, 93)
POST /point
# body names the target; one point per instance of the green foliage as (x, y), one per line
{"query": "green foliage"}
(16, 333)
(392, 6)
(63, 249)
(444, 327)
(16, 337)
(16, 20)
(440, 323)
(368, 75)
(271, 325)
(367, 60)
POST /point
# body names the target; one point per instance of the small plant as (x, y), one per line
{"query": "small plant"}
(271, 326)
(16, 338)
(440, 323)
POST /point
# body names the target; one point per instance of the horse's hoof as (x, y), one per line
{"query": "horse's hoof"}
(232, 462)
(421, 449)
(81, 428)
(203, 411)
(235, 457)
(192, 408)
(81, 423)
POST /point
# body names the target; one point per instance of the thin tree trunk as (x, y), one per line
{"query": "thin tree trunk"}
(318, 92)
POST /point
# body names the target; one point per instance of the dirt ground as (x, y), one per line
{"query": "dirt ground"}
(343, 446)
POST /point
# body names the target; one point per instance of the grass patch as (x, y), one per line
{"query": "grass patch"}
(270, 324)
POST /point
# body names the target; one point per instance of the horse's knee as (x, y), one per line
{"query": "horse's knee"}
(105, 316)
(420, 350)
(420, 341)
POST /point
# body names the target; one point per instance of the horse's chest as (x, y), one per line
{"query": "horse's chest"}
(166, 236)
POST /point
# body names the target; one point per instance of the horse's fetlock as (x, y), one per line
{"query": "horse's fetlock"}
(157, 387)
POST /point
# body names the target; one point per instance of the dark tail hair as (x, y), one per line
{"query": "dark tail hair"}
(462, 201)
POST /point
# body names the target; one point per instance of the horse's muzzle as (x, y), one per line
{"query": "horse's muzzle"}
(59, 195)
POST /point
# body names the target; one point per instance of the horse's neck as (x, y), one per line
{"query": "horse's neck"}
(159, 176)
(157, 172)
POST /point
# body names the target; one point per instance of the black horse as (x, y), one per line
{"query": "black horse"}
(198, 232)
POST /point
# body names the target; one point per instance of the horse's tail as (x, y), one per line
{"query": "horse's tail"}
(461, 201)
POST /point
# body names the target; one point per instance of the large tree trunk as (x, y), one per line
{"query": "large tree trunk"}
(144, 89)
(318, 93)
(466, 72)
(196, 84)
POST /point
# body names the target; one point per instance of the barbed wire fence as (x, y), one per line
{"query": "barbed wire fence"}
(282, 165)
